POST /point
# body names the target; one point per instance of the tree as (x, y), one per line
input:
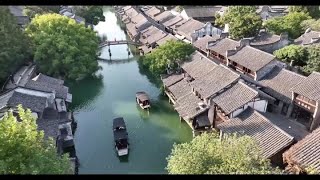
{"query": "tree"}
(313, 63)
(63, 47)
(14, 44)
(92, 14)
(179, 9)
(292, 52)
(24, 150)
(167, 55)
(31, 11)
(290, 23)
(313, 24)
(313, 11)
(206, 154)
(243, 21)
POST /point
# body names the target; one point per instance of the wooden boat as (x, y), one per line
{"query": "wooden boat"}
(120, 136)
(143, 100)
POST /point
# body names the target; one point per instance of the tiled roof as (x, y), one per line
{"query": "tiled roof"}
(223, 45)
(279, 81)
(306, 153)
(164, 15)
(252, 58)
(172, 79)
(34, 103)
(153, 11)
(203, 42)
(131, 12)
(189, 27)
(139, 20)
(132, 29)
(173, 21)
(195, 12)
(214, 81)
(235, 97)
(61, 90)
(152, 35)
(126, 8)
(310, 87)
(269, 137)
(47, 79)
(187, 106)
(198, 66)
(306, 38)
(180, 89)
(264, 38)
(145, 49)
(165, 39)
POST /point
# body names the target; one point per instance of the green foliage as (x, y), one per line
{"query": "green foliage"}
(313, 63)
(63, 47)
(24, 150)
(311, 23)
(206, 154)
(313, 11)
(292, 52)
(291, 23)
(312, 170)
(167, 55)
(14, 44)
(31, 11)
(179, 9)
(243, 21)
(92, 14)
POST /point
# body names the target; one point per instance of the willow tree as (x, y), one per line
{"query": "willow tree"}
(63, 47)
(207, 154)
(14, 44)
(24, 150)
(167, 55)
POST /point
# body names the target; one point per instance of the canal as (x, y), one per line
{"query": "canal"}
(96, 101)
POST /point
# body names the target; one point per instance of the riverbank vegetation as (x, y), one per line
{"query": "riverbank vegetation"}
(167, 56)
(24, 150)
(63, 48)
(14, 44)
(207, 154)
(243, 21)
(92, 14)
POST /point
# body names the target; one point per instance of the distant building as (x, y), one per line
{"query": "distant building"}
(267, 12)
(269, 42)
(199, 13)
(308, 38)
(17, 12)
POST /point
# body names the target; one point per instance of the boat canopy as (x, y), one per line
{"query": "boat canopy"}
(119, 123)
(142, 96)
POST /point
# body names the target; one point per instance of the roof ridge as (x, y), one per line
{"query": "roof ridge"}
(224, 66)
(291, 72)
(260, 51)
(275, 126)
(248, 87)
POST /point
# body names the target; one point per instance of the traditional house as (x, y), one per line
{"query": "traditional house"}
(304, 155)
(251, 61)
(308, 38)
(202, 43)
(197, 67)
(278, 84)
(199, 13)
(269, 42)
(170, 24)
(152, 12)
(165, 39)
(163, 17)
(306, 98)
(271, 139)
(213, 82)
(185, 30)
(218, 49)
(267, 12)
(149, 37)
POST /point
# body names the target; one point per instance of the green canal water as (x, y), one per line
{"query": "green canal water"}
(96, 101)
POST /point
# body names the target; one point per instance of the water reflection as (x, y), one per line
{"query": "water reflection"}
(90, 86)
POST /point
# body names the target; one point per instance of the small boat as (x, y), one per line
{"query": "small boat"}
(143, 100)
(120, 136)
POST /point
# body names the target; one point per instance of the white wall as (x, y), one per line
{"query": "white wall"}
(184, 14)
(260, 105)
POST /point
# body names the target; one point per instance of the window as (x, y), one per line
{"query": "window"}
(276, 102)
(234, 63)
(248, 70)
